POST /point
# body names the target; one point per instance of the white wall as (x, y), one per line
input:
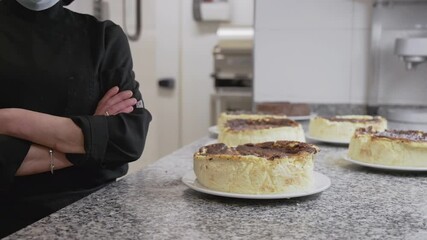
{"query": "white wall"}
(82, 7)
(318, 51)
(168, 46)
(312, 50)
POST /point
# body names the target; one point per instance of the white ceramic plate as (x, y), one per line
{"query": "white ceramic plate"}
(384, 167)
(325, 141)
(321, 183)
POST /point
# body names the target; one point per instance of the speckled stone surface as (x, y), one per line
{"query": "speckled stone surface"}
(362, 203)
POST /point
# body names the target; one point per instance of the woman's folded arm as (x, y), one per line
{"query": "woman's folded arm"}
(58, 133)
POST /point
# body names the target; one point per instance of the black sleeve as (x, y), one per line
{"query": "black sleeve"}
(119, 138)
(12, 153)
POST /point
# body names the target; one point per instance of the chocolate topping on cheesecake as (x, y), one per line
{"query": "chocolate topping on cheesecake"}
(268, 150)
(264, 123)
(354, 120)
(242, 112)
(411, 135)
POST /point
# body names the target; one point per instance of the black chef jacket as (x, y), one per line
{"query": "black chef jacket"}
(60, 62)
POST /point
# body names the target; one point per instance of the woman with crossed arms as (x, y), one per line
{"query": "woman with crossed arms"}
(71, 113)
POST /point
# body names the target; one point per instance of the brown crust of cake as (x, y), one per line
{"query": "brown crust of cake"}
(355, 120)
(267, 150)
(242, 112)
(256, 124)
(401, 135)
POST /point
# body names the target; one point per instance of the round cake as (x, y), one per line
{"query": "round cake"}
(341, 128)
(263, 168)
(225, 116)
(240, 131)
(389, 147)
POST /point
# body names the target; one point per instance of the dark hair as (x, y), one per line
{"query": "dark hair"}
(67, 2)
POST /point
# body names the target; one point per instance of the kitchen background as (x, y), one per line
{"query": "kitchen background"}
(310, 51)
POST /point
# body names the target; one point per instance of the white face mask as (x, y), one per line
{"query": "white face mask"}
(37, 5)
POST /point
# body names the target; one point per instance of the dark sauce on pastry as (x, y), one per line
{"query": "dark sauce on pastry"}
(354, 120)
(409, 135)
(268, 150)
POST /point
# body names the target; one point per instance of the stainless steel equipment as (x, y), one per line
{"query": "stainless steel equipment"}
(399, 30)
(233, 57)
(412, 51)
(233, 70)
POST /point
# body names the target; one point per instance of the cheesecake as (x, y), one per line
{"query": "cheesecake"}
(263, 168)
(225, 116)
(240, 131)
(390, 147)
(341, 128)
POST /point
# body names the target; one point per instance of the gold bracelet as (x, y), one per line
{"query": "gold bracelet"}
(52, 163)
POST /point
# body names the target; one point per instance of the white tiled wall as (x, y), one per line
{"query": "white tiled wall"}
(312, 50)
(303, 14)
(303, 67)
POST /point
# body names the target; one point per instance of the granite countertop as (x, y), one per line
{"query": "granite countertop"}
(362, 203)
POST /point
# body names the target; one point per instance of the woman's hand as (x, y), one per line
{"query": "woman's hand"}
(115, 102)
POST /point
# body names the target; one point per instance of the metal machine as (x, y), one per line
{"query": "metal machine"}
(412, 51)
(233, 57)
(399, 49)
(233, 70)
